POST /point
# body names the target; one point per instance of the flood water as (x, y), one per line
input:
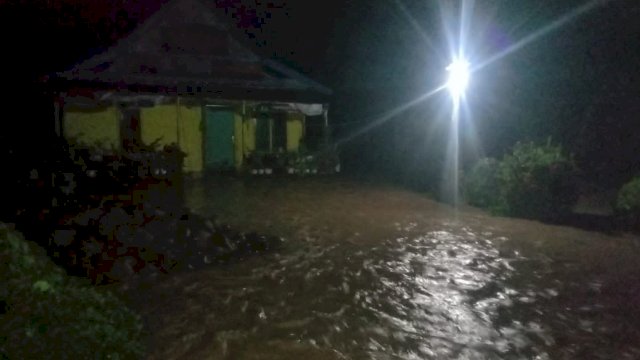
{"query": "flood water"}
(369, 271)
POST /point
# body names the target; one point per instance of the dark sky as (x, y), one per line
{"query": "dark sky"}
(365, 43)
(579, 83)
(397, 49)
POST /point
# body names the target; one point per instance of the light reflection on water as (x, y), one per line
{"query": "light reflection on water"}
(430, 296)
(435, 288)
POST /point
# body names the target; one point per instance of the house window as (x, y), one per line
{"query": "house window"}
(314, 132)
(271, 132)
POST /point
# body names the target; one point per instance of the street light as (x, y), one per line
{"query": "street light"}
(458, 77)
(457, 84)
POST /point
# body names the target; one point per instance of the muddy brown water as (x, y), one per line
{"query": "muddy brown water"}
(374, 272)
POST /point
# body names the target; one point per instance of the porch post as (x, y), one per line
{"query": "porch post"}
(178, 121)
(243, 119)
(270, 134)
(325, 127)
(57, 108)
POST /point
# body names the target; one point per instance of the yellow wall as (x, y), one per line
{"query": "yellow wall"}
(94, 126)
(245, 138)
(249, 135)
(191, 136)
(161, 123)
(294, 131)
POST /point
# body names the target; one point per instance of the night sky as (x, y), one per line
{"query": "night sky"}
(578, 83)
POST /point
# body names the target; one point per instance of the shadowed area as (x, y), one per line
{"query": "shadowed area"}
(370, 271)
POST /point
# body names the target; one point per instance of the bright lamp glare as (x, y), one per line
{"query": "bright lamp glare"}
(458, 77)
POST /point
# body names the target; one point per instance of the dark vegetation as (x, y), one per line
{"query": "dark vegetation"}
(628, 203)
(107, 216)
(537, 181)
(482, 184)
(304, 162)
(540, 181)
(533, 181)
(46, 314)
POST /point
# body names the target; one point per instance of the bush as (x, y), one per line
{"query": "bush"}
(534, 181)
(481, 186)
(628, 202)
(46, 314)
(537, 181)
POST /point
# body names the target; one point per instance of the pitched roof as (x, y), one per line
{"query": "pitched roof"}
(185, 45)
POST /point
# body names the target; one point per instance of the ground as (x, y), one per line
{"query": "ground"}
(374, 271)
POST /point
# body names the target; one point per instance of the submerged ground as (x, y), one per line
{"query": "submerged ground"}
(372, 271)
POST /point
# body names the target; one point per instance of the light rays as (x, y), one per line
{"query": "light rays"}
(418, 29)
(554, 25)
(457, 46)
(390, 115)
(452, 164)
(466, 12)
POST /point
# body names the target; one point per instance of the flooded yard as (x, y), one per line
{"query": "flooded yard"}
(369, 271)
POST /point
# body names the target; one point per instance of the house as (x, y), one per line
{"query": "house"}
(181, 78)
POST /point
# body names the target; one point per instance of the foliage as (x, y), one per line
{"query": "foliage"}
(481, 185)
(91, 171)
(533, 181)
(628, 201)
(537, 181)
(301, 162)
(48, 314)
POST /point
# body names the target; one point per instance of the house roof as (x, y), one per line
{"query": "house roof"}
(186, 47)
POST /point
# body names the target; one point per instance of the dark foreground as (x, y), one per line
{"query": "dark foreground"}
(369, 271)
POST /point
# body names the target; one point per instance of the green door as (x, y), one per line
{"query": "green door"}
(219, 135)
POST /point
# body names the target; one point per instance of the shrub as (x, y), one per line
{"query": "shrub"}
(628, 202)
(481, 185)
(46, 314)
(537, 181)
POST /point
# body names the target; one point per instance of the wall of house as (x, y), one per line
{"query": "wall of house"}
(245, 135)
(170, 123)
(174, 123)
(250, 135)
(245, 138)
(191, 136)
(93, 126)
(295, 131)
